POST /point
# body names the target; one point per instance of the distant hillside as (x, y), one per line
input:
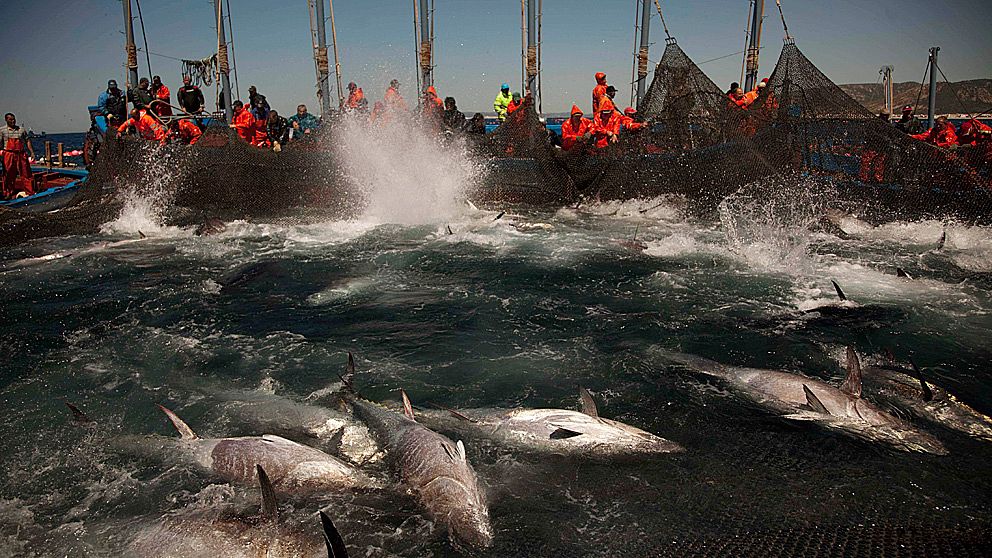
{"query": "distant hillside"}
(976, 96)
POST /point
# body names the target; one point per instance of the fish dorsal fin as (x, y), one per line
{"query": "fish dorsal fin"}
(407, 406)
(927, 392)
(814, 402)
(184, 430)
(458, 415)
(636, 230)
(500, 216)
(563, 434)
(270, 509)
(900, 272)
(141, 235)
(347, 379)
(461, 449)
(943, 240)
(587, 402)
(852, 383)
(449, 229)
(77, 415)
(333, 540)
(840, 292)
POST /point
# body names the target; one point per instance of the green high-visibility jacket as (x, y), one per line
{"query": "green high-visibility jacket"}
(500, 104)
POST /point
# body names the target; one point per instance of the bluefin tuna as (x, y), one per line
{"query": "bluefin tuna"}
(210, 533)
(555, 431)
(433, 467)
(800, 398)
(293, 467)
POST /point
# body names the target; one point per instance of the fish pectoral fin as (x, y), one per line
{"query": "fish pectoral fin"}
(852, 383)
(927, 392)
(185, 432)
(450, 451)
(461, 449)
(840, 292)
(407, 406)
(813, 402)
(332, 539)
(270, 508)
(563, 434)
(588, 403)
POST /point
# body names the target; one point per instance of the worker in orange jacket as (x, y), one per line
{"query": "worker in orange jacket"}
(244, 122)
(356, 99)
(393, 101)
(432, 107)
(184, 131)
(516, 103)
(16, 145)
(608, 122)
(574, 129)
(942, 134)
(162, 94)
(148, 127)
(969, 130)
(598, 92)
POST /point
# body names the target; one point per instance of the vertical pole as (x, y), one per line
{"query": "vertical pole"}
(752, 52)
(523, 44)
(222, 64)
(532, 47)
(320, 54)
(61, 154)
(425, 47)
(932, 106)
(48, 154)
(337, 62)
(642, 53)
(131, 50)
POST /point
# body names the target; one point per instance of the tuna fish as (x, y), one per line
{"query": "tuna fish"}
(293, 467)
(433, 467)
(208, 533)
(555, 431)
(906, 389)
(800, 398)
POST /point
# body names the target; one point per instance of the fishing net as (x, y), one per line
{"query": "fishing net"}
(91, 207)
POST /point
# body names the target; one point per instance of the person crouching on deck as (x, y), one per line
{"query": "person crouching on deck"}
(147, 126)
(574, 129)
(244, 122)
(185, 132)
(15, 161)
(607, 123)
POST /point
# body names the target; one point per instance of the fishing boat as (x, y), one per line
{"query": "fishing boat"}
(54, 189)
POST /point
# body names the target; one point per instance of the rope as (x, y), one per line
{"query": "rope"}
(132, 57)
(662, 16)
(425, 55)
(633, 49)
(322, 65)
(201, 71)
(721, 57)
(747, 39)
(919, 94)
(531, 62)
(948, 82)
(785, 26)
(540, 41)
(144, 37)
(234, 60)
(642, 63)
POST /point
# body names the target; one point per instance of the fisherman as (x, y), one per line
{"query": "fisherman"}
(942, 134)
(514, 104)
(163, 106)
(111, 102)
(15, 161)
(885, 116)
(599, 91)
(184, 131)
(356, 99)
(303, 122)
(909, 124)
(378, 113)
(452, 119)
(969, 131)
(260, 110)
(432, 108)
(190, 97)
(574, 129)
(254, 96)
(393, 101)
(244, 122)
(147, 126)
(503, 99)
(607, 123)
(477, 125)
(277, 129)
(140, 96)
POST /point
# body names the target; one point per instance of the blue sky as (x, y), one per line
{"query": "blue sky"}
(58, 54)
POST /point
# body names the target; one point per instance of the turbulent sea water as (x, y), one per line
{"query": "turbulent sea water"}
(518, 311)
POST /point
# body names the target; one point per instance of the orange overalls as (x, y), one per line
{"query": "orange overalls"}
(16, 165)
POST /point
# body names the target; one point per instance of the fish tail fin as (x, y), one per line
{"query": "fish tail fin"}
(332, 539)
(184, 430)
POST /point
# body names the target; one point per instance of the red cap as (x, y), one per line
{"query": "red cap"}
(764, 80)
(431, 90)
(630, 111)
(576, 110)
(600, 76)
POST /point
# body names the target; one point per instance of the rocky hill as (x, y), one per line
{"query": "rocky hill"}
(976, 96)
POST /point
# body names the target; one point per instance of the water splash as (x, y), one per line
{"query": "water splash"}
(408, 177)
(146, 201)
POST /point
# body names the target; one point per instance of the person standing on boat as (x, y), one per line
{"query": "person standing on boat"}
(277, 129)
(260, 110)
(394, 102)
(141, 96)
(148, 127)
(244, 122)
(514, 104)
(15, 160)
(503, 100)
(356, 99)
(190, 97)
(303, 122)
(254, 97)
(111, 102)
(599, 91)
(452, 118)
(574, 129)
(909, 124)
(164, 97)
(942, 134)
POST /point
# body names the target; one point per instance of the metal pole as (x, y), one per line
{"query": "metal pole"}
(132, 50)
(642, 53)
(932, 106)
(337, 62)
(425, 47)
(532, 46)
(754, 49)
(222, 65)
(320, 53)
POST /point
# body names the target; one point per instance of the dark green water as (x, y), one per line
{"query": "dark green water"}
(493, 316)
